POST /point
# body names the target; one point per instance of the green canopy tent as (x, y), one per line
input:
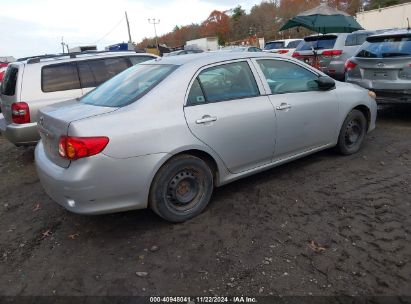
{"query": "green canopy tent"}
(324, 19)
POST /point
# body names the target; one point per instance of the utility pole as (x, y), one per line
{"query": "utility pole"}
(128, 28)
(62, 43)
(154, 22)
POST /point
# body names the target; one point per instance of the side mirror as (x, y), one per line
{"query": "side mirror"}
(325, 83)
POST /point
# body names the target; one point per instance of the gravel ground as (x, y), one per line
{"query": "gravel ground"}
(322, 225)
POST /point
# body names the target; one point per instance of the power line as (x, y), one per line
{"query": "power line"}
(110, 31)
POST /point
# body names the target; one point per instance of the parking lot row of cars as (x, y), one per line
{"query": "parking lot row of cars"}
(164, 132)
(376, 60)
(126, 130)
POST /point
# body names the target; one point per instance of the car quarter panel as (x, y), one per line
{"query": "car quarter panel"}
(87, 186)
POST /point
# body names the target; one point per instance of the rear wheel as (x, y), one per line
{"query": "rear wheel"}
(181, 189)
(352, 133)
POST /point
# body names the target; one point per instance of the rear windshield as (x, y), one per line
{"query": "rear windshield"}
(383, 47)
(318, 43)
(274, 45)
(8, 86)
(128, 86)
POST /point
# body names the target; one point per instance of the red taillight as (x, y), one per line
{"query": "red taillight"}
(79, 147)
(349, 65)
(282, 51)
(20, 113)
(331, 53)
(296, 54)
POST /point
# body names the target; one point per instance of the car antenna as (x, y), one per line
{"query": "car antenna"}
(408, 20)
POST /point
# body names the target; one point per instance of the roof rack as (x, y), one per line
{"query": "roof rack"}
(38, 58)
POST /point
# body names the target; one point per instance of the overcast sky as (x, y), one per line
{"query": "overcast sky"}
(32, 27)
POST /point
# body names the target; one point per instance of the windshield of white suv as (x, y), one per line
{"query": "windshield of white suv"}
(383, 47)
(128, 86)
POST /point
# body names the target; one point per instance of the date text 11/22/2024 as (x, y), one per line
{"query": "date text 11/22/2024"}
(194, 300)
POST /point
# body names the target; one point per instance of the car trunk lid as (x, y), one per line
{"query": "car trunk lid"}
(384, 69)
(54, 122)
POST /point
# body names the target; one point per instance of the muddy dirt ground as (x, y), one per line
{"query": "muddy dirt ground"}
(322, 225)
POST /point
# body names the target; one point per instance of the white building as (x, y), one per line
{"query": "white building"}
(205, 44)
(385, 18)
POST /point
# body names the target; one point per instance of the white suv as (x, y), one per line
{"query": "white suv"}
(32, 83)
(283, 47)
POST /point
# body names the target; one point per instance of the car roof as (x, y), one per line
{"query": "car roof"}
(67, 57)
(392, 32)
(284, 40)
(206, 58)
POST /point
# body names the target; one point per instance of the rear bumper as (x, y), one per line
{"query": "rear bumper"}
(387, 92)
(25, 134)
(98, 184)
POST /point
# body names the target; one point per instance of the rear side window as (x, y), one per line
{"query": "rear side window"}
(384, 47)
(8, 86)
(293, 44)
(95, 72)
(139, 59)
(196, 95)
(274, 45)
(320, 43)
(225, 82)
(59, 77)
(128, 86)
(355, 39)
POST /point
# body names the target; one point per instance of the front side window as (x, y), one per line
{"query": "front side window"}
(128, 86)
(227, 81)
(59, 77)
(286, 77)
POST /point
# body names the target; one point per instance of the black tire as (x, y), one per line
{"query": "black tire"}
(181, 189)
(352, 133)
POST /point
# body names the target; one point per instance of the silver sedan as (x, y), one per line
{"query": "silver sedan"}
(163, 134)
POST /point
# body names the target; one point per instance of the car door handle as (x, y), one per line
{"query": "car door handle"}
(283, 106)
(206, 119)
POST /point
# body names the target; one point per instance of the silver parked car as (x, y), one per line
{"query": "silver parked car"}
(383, 65)
(34, 82)
(331, 51)
(162, 134)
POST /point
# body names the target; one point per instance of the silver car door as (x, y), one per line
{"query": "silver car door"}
(226, 110)
(306, 117)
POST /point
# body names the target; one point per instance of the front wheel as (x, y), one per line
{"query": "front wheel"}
(352, 133)
(181, 189)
